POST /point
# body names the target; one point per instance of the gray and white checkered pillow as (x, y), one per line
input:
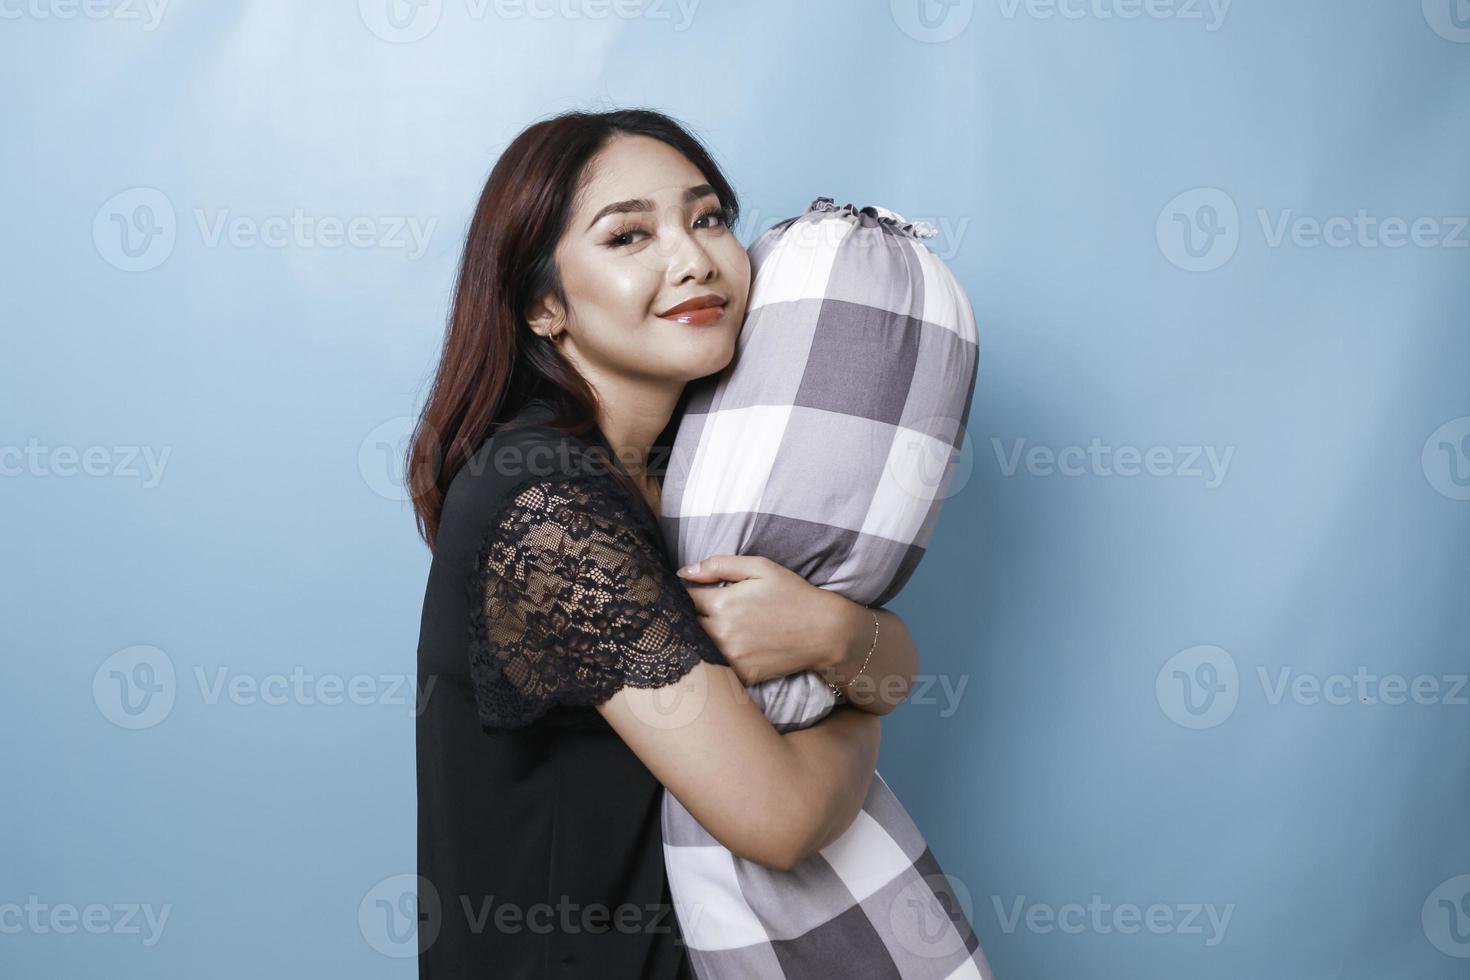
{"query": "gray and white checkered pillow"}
(827, 445)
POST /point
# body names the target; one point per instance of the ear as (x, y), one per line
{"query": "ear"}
(545, 316)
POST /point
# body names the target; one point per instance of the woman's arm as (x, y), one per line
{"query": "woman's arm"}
(891, 669)
(768, 621)
(573, 604)
(771, 798)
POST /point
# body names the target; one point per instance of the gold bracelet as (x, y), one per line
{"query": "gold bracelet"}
(842, 691)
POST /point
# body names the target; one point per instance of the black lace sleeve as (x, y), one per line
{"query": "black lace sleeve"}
(570, 601)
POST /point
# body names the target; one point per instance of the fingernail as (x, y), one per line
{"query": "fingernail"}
(690, 569)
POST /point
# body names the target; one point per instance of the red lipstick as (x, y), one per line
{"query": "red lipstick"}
(699, 311)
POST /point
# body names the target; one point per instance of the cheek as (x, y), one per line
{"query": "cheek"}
(635, 296)
(618, 291)
(733, 258)
(738, 268)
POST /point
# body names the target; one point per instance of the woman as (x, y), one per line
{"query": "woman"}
(568, 670)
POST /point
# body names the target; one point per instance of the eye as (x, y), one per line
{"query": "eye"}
(717, 214)
(619, 237)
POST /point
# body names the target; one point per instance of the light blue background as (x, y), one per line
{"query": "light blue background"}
(1051, 146)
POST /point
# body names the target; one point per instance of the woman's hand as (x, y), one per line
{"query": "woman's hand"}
(767, 620)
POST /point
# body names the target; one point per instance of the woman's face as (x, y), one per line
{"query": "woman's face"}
(622, 270)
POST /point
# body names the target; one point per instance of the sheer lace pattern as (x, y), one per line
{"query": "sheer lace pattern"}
(571, 601)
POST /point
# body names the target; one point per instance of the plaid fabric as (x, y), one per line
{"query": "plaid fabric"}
(827, 445)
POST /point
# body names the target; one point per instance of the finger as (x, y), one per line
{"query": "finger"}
(700, 599)
(724, 568)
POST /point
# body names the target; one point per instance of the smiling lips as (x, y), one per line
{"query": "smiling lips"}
(699, 311)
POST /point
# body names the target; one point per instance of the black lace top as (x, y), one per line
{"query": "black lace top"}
(571, 601)
(539, 843)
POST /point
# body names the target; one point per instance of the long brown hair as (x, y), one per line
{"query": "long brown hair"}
(492, 361)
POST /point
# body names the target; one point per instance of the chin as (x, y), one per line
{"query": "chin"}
(710, 359)
(694, 352)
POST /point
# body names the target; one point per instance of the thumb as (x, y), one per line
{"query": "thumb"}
(722, 568)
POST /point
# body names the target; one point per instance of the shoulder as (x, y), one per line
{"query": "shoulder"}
(529, 466)
(511, 457)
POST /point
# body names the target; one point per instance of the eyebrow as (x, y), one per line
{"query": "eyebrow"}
(643, 204)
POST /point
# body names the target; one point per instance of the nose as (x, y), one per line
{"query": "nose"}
(689, 260)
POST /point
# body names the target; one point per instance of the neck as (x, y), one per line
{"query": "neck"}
(631, 413)
(631, 422)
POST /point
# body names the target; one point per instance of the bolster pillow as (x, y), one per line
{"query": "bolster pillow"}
(829, 442)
